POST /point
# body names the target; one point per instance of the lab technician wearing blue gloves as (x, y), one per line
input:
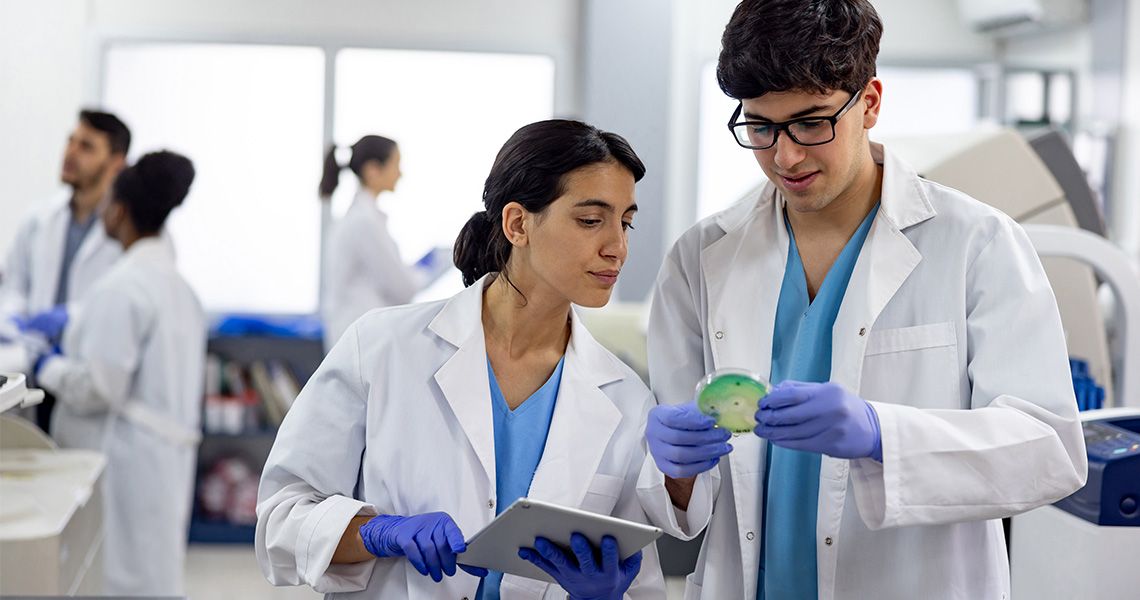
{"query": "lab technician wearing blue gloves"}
(60, 250)
(129, 383)
(922, 385)
(362, 268)
(427, 420)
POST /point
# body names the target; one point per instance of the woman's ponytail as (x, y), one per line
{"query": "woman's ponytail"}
(479, 248)
(331, 175)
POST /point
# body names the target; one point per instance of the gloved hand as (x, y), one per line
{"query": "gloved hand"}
(430, 541)
(427, 261)
(582, 576)
(820, 417)
(49, 323)
(683, 441)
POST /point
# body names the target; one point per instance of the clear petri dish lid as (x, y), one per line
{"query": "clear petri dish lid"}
(732, 397)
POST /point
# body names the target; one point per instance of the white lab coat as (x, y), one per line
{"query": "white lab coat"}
(948, 327)
(397, 420)
(31, 272)
(129, 384)
(363, 268)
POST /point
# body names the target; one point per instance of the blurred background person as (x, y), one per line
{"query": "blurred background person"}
(59, 252)
(363, 268)
(129, 383)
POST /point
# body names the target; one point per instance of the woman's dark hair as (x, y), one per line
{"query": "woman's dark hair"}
(118, 135)
(152, 187)
(369, 147)
(816, 46)
(531, 169)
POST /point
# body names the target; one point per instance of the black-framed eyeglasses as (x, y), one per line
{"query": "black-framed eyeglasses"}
(807, 131)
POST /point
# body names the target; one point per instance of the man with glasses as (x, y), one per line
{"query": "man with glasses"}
(921, 385)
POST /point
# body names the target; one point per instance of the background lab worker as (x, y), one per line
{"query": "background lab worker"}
(924, 390)
(363, 268)
(129, 384)
(427, 420)
(60, 251)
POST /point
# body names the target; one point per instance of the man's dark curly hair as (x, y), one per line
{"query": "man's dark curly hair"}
(815, 46)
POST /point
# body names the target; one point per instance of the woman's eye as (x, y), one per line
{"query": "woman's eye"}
(589, 222)
(627, 225)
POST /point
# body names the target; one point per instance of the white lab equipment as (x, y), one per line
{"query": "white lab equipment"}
(50, 507)
(1085, 546)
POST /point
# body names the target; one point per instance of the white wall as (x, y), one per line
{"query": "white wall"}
(51, 55)
(41, 72)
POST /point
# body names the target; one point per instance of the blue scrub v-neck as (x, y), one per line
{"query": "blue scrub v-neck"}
(520, 436)
(801, 350)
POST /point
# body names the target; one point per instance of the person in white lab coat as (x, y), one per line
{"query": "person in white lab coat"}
(363, 269)
(936, 397)
(60, 251)
(412, 414)
(129, 383)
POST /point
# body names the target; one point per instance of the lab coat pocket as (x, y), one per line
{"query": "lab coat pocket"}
(692, 588)
(603, 493)
(913, 366)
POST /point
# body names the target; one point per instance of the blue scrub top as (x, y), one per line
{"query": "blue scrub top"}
(520, 436)
(801, 350)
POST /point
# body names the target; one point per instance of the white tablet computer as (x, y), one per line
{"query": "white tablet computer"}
(496, 546)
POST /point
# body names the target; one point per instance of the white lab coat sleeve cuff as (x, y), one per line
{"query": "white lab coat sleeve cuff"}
(318, 539)
(684, 525)
(876, 484)
(52, 373)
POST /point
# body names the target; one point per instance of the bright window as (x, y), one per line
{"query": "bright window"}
(450, 113)
(250, 117)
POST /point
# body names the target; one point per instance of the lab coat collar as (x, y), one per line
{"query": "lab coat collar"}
(157, 249)
(584, 416)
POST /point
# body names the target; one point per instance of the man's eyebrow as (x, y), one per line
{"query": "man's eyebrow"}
(803, 113)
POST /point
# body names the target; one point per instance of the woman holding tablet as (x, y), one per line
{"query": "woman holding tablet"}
(424, 421)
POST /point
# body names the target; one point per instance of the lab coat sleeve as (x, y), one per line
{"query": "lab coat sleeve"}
(650, 582)
(397, 281)
(15, 280)
(676, 363)
(306, 498)
(1021, 444)
(102, 353)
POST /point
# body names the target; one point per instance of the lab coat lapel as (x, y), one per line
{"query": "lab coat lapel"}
(584, 421)
(47, 254)
(888, 257)
(744, 273)
(463, 378)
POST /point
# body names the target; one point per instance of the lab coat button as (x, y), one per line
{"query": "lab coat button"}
(862, 331)
(751, 536)
(491, 503)
(720, 335)
(827, 541)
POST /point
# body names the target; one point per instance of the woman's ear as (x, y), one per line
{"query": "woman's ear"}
(515, 224)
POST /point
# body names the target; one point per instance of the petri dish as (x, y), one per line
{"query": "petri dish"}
(732, 396)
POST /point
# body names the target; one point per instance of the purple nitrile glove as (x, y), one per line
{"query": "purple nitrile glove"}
(820, 417)
(430, 542)
(50, 323)
(683, 441)
(582, 576)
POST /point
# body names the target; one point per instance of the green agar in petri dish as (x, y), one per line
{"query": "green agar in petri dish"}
(732, 399)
